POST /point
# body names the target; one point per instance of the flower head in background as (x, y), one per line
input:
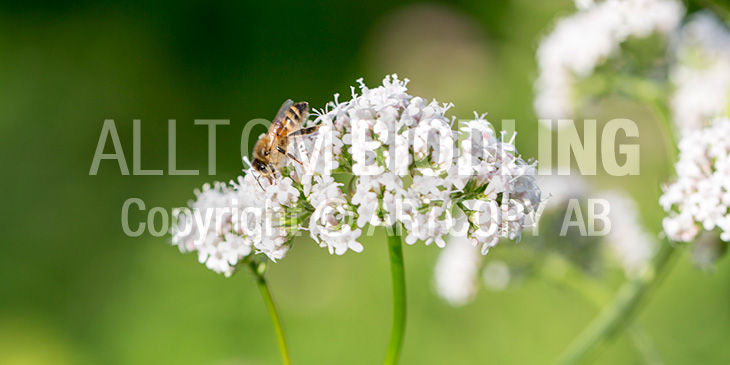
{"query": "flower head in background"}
(626, 243)
(701, 72)
(700, 197)
(580, 42)
(567, 202)
(629, 244)
(409, 164)
(457, 271)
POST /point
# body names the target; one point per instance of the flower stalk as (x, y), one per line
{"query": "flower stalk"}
(595, 294)
(258, 270)
(620, 311)
(395, 250)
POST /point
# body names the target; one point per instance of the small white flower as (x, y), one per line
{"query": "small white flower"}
(283, 192)
(457, 271)
(330, 228)
(496, 275)
(367, 202)
(326, 188)
(680, 227)
(429, 225)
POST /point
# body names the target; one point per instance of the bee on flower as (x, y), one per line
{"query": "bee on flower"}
(405, 166)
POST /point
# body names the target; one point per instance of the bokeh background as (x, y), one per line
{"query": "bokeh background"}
(75, 290)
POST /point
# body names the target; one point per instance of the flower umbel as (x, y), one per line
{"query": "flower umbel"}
(405, 164)
(701, 195)
(584, 40)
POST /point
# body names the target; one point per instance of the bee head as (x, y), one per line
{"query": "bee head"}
(260, 166)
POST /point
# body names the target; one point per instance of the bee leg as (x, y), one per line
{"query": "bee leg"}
(283, 151)
(259, 181)
(273, 173)
(305, 131)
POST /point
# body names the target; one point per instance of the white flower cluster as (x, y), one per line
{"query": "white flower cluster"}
(227, 222)
(403, 152)
(701, 72)
(583, 40)
(701, 194)
(406, 166)
(210, 232)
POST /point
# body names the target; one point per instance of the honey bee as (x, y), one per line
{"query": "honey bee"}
(270, 152)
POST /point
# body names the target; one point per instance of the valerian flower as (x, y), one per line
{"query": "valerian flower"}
(701, 72)
(228, 222)
(580, 42)
(402, 164)
(700, 197)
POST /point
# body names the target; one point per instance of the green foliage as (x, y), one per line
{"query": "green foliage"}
(75, 289)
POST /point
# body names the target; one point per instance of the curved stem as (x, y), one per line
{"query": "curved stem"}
(626, 302)
(395, 249)
(620, 311)
(269, 301)
(595, 294)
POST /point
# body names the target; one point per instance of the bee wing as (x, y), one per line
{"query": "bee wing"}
(282, 111)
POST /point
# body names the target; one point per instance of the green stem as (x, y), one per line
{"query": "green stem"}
(620, 311)
(627, 301)
(647, 350)
(398, 277)
(258, 271)
(596, 294)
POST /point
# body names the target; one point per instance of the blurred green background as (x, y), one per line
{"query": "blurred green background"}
(75, 290)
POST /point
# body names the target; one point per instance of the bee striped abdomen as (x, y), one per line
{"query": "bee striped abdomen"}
(298, 112)
(295, 115)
